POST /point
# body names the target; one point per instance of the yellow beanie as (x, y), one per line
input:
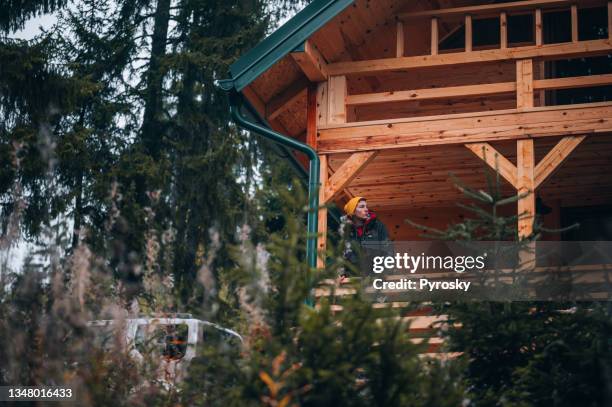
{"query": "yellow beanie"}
(350, 206)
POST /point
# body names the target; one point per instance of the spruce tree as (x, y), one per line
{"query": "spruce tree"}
(527, 353)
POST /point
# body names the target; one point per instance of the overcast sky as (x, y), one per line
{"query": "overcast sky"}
(32, 26)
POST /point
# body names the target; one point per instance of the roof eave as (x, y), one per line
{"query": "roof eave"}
(283, 41)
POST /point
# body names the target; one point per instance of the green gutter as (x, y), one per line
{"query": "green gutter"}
(333, 212)
(236, 103)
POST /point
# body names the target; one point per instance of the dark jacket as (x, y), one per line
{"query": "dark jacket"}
(364, 242)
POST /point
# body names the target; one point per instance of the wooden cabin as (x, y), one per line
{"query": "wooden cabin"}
(395, 95)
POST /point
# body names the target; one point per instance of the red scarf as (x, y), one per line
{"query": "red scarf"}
(362, 228)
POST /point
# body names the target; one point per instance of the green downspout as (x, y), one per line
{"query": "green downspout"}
(313, 176)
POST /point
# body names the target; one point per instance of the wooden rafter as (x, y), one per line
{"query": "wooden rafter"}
(346, 173)
(312, 63)
(281, 102)
(555, 157)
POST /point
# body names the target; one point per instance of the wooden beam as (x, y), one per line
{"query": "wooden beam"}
(255, 100)
(503, 30)
(555, 157)
(311, 116)
(281, 102)
(399, 37)
(525, 183)
(468, 33)
(538, 27)
(347, 192)
(492, 8)
(467, 128)
(311, 62)
(322, 104)
(431, 93)
(322, 218)
(575, 82)
(524, 83)
(574, 14)
(336, 108)
(434, 36)
(610, 21)
(346, 173)
(496, 161)
(549, 51)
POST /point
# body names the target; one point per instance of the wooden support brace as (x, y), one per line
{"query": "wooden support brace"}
(555, 157)
(503, 30)
(311, 62)
(496, 161)
(322, 218)
(399, 49)
(346, 173)
(526, 186)
(468, 33)
(281, 102)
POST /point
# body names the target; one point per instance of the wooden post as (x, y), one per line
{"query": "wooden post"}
(322, 225)
(311, 116)
(539, 40)
(503, 30)
(525, 183)
(610, 20)
(468, 33)
(337, 100)
(399, 49)
(574, 10)
(538, 27)
(525, 164)
(524, 83)
(434, 36)
(322, 104)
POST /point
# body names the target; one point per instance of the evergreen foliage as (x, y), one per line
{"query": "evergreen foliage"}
(525, 353)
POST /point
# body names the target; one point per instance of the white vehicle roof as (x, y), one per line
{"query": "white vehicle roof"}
(166, 319)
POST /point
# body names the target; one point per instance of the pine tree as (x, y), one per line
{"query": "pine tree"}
(295, 354)
(525, 353)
